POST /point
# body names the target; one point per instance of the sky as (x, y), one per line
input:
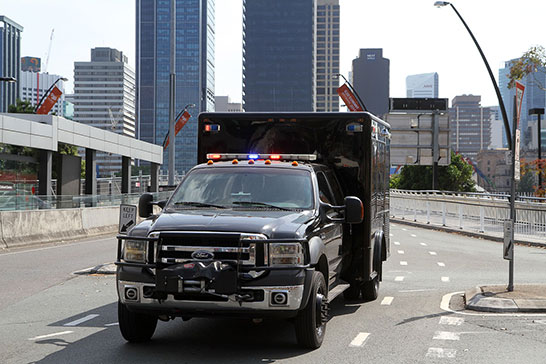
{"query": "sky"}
(416, 36)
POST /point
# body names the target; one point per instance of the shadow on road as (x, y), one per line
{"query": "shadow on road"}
(200, 340)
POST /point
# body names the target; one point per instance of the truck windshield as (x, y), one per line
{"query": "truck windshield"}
(245, 188)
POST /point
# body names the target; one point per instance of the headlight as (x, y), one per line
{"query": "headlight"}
(285, 254)
(135, 251)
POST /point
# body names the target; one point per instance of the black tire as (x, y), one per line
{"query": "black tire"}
(311, 321)
(352, 293)
(135, 327)
(370, 289)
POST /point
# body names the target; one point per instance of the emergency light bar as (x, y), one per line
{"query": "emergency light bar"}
(254, 156)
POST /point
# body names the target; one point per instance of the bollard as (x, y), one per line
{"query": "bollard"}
(428, 213)
(460, 217)
(443, 213)
(482, 218)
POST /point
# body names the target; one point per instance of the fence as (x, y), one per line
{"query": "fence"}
(476, 212)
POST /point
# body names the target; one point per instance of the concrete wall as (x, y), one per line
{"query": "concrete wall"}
(20, 228)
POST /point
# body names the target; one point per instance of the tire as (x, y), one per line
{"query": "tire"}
(311, 321)
(135, 327)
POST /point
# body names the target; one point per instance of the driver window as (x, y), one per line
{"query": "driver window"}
(324, 191)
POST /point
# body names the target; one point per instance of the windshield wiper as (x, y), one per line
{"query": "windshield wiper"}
(199, 204)
(259, 204)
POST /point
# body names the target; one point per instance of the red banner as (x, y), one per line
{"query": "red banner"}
(50, 101)
(349, 98)
(181, 122)
(520, 89)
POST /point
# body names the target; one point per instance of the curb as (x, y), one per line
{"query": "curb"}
(465, 232)
(104, 269)
(477, 300)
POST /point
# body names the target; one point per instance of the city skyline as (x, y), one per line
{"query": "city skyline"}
(78, 32)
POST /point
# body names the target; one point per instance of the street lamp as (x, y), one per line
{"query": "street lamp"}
(337, 75)
(511, 137)
(538, 111)
(8, 79)
(49, 89)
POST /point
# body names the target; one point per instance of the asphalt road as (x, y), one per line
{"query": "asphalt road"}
(48, 315)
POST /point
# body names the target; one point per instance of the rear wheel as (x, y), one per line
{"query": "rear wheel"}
(311, 321)
(135, 327)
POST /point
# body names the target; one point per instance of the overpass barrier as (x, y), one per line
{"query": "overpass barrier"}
(32, 227)
(473, 212)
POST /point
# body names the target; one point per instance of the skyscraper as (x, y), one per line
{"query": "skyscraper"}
(279, 55)
(327, 23)
(422, 85)
(371, 79)
(10, 60)
(470, 125)
(194, 66)
(104, 97)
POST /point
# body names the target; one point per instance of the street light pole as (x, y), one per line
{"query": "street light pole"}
(172, 98)
(510, 137)
(47, 92)
(538, 111)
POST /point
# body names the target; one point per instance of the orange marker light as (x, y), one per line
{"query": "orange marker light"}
(295, 164)
(275, 157)
(210, 162)
(235, 161)
(251, 162)
(268, 162)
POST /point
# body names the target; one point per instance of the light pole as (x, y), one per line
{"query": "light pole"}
(8, 80)
(49, 89)
(538, 111)
(510, 137)
(337, 75)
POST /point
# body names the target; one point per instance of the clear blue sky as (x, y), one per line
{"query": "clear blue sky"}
(415, 36)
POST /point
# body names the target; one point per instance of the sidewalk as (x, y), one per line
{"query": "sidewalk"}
(524, 298)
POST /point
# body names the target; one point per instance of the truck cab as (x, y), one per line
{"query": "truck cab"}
(257, 232)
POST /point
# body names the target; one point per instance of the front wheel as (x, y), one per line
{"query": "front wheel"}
(311, 321)
(135, 327)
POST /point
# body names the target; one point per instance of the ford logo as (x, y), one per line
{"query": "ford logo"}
(202, 255)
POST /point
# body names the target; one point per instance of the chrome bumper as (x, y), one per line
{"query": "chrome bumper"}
(294, 295)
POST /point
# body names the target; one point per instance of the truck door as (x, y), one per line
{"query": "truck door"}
(331, 233)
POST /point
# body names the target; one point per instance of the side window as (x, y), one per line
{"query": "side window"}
(336, 189)
(324, 191)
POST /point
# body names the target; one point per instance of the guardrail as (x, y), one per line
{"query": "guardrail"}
(474, 212)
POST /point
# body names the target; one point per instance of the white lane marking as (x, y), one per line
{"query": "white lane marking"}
(400, 252)
(112, 324)
(452, 321)
(399, 278)
(391, 234)
(441, 353)
(83, 319)
(51, 335)
(433, 253)
(444, 305)
(387, 301)
(446, 335)
(404, 229)
(413, 235)
(403, 263)
(445, 279)
(359, 340)
(441, 264)
(423, 244)
(396, 243)
(417, 290)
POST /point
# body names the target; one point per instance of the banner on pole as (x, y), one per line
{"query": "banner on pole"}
(180, 123)
(50, 101)
(520, 89)
(349, 98)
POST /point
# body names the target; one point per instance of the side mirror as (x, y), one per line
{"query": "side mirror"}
(162, 204)
(354, 210)
(145, 207)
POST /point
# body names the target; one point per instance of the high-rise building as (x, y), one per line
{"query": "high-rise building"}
(194, 66)
(279, 55)
(10, 61)
(470, 125)
(104, 97)
(31, 64)
(424, 85)
(497, 128)
(371, 79)
(327, 57)
(33, 85)
(224, 104)
(533, 97)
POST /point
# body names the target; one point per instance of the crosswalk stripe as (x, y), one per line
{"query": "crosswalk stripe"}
(403, 263)
(446, 335)
(445, 279)
(441, 353)
(387, 301)
(452, 321)
(433, 253)
(83, 319)
(400, 252)
(396, 243)
(441, 264)
(398, 278)
(423, 244)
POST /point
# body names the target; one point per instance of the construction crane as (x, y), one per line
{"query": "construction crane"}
(48, 50)
(114, 120)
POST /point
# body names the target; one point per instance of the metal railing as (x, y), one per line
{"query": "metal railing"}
(476, 212)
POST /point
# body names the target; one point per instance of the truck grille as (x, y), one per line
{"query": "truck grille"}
(175, 248)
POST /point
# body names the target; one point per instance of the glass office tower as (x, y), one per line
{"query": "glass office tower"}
(278, 55)
(194, 71)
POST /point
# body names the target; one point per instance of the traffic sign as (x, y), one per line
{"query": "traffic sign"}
(127, 217)
(508, 248)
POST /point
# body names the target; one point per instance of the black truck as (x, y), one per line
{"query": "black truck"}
(284, 212)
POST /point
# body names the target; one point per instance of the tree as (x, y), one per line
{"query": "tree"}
(457, 176)
(531, 62)
(529, 171)
(21, 107)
